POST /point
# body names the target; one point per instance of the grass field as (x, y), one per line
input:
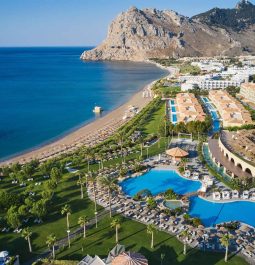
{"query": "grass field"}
(134, 236)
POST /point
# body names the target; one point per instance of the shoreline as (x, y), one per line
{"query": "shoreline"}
(89, 134)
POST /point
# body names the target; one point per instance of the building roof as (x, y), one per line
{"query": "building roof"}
(177, 152)
(128, 258)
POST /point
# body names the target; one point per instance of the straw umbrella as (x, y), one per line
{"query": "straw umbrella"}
(177, 153)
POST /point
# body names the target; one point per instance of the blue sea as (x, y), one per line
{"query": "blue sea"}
(48, 92)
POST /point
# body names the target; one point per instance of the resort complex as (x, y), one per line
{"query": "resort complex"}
(181, 163)
(185, 108)
(247, 93)
(235, 153)
(230, 109)
(188, 107)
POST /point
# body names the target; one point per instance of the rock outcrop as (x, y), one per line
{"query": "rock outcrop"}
(138, 35)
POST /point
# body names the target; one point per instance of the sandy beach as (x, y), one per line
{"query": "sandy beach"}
(88, 135)
(91, 133)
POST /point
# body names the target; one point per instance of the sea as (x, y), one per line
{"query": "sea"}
(48, 92)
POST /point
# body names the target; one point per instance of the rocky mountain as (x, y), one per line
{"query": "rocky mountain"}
(237, 19)
(142, 34)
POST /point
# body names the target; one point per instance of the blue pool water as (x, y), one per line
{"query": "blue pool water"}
(158, 181)
(174, 118)
(213, 113)
(214, 213)
(172, 102)
(210, 213)
(46, 92)
(173, 109)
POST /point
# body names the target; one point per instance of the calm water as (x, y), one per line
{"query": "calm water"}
(46, 92)
(158, 181)
(214, 213)
(210, 213)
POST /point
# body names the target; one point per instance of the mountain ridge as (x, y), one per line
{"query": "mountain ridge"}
(140, 34)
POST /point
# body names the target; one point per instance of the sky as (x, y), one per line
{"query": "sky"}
(78, 22)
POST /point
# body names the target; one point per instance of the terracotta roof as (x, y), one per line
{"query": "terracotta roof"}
(128, 258)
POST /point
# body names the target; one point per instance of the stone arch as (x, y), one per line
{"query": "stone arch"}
(227, 156)
(240, 166)
(247, 170)
(232, 160)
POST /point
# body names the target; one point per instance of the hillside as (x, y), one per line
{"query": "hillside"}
(142, 34)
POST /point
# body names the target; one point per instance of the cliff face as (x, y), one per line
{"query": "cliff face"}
(142, 34)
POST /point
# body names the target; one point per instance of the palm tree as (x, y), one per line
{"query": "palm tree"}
(93, 179)
(151, 229)
(184, 162)
(81, 182)
(26, 233)
(111, 185)
(82, 221)
(67, 211)
(186, 235)
(50, 242)
(120, 136)
(225, 241)
(141, 141)
(89, 155)
(116, 224)
(100, 157)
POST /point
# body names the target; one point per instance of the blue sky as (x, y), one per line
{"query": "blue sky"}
(77, 22)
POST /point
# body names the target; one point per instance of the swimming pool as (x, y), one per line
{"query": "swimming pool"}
(173, 204)
(214, 213)
(213, 113)
(210, 213)
(172, 111)
(159, 180)
(174, 118)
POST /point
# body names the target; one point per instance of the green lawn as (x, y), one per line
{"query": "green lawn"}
(134, 236)
(153, 124)
(67, 192)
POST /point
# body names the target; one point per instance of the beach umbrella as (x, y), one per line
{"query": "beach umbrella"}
(223, 229)
(239, 241)
(201, 227)
(128, 258)
(249, 248)
(200, 232)
(244, 228)
(4, 254)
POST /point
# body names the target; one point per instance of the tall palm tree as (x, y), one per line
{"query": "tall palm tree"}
(89, 155)
(100, 157)
(184, 162)
(141, 141)
(81, 182)
(116, 224)
(120, 139)
(82, 221)
(225, 241)
(92, 177)
(151, 229)
(186, 235)
(111, 185)
(66, 210)
(26, 233)
(50, 242)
